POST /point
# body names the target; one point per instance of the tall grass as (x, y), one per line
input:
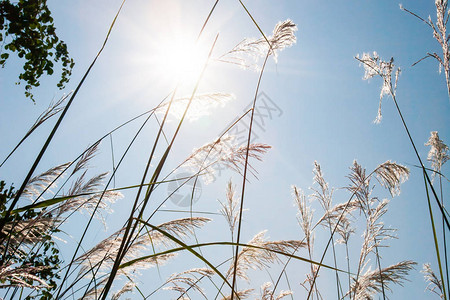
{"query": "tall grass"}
(352, 224)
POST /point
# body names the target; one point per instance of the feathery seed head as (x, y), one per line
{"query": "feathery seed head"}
(438, 154)
(247, 53)
(223, 151)
(434, 283)
(391, 175)
(372, 282)
(374, 66)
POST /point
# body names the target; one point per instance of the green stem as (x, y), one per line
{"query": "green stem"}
(436, 245)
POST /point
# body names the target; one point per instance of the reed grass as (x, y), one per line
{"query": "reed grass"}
(111, 268)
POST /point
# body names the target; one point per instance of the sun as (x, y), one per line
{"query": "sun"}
(181, 58)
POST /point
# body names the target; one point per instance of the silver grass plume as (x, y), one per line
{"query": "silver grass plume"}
(434, 283)
(304, 217)
(247, 52)
(86, 157)
(26, 233)
(183, 227)
(360, 185)
(40, 182)
(107, 249)
(128, 287)
(53, 109)
(87, 196)
(255, 258)
(333, 215)
(95, 291)
(438, 154)
(267, 292)
(223, 151)
(307, 284)
(323, 195)
(230, 209)
(105, 252)
(242, 294)
(440, 34)
(189, 279)
(369, 284)
(283, 36)
(375, 232)
(201, 105)
(22, 277)
(374, 66)
(391, 175)
(341, 212)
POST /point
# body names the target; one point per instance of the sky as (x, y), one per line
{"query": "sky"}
(318, 108)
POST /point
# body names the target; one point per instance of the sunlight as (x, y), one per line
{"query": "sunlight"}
(179, 58)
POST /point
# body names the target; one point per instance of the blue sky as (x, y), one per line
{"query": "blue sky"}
(325, 111)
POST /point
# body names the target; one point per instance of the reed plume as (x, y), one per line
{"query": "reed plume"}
(128, 287)
(391, 175)
(86, 157)
(247, 53)
(438, 154)
(267, 292)
(40, 182)
(439, 28)
(224, 151)
(375, 66)
(106, 251)
(23, 276)
(373, 281)
(230, 209)
(189, 279)
(257, 258)
(242, 294)
(434, 284)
